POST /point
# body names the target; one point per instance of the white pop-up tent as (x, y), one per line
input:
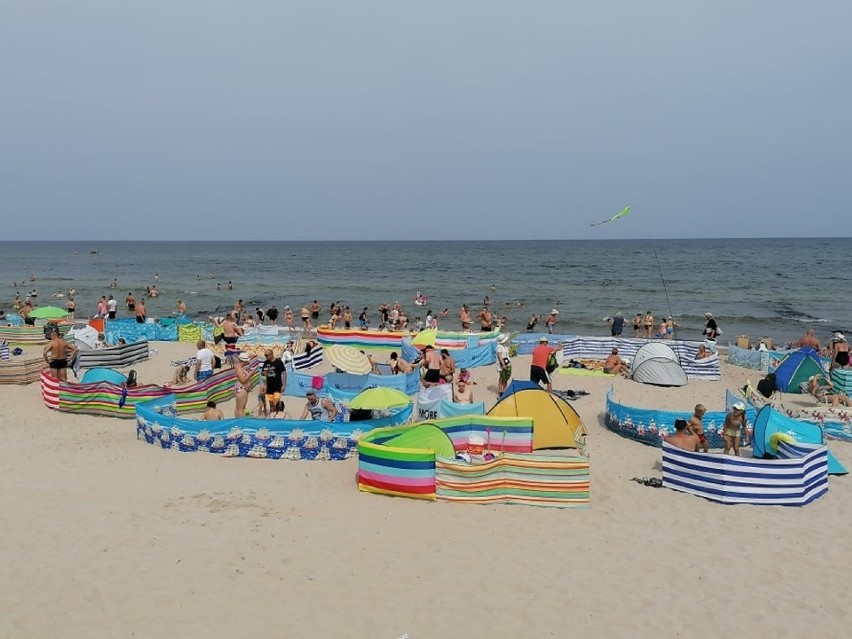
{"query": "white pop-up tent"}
(656, 363)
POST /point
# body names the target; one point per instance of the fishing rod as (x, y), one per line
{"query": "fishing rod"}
(668, 301)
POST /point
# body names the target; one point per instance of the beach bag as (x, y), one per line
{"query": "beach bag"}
(131, 378)
(552, 364)
(217, 362)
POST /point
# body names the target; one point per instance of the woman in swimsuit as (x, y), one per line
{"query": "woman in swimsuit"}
(839, 351)
(637, 325)
(648, 323)
(242, 383)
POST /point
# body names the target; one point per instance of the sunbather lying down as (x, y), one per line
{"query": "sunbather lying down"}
(821, 387)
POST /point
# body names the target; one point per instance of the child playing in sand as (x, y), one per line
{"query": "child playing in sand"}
(696, 427)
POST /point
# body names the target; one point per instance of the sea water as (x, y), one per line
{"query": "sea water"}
(755, 287)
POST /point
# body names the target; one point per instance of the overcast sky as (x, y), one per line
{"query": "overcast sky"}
(435, 120)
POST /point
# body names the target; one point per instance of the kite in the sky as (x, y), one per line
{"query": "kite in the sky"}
(621, 213)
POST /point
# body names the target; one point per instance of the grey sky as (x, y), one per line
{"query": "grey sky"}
(462, 120)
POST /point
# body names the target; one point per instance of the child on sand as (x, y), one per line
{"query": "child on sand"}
(735, 422)
(696, 427)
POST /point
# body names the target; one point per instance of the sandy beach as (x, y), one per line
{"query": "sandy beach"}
(106, 536)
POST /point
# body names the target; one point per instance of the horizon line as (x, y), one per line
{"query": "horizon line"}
(455, 240)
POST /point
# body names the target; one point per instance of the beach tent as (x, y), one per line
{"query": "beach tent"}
(427, 436)
(797, 367)
(85, 337)
(556, 423)
(656, 363)
(769, 422)
(94, 375)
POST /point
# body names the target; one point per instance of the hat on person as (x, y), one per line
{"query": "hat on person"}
(839, 336)
(708, 314)
(310, 392)
(503, 338)
(554, 312)
(244, 357)
(738, 406)
(287, 308)
(543, 338)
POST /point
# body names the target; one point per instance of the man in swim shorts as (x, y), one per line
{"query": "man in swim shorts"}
(230, 331)
(131, 302)
(273, 374)
(695, 425)
(140, 312)
(56, 353)
(432, 363)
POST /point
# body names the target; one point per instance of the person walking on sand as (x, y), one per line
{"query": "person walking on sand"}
(696, 427)
(242, 382)
(538, 364)
(839, 351)
(504, 364)
(56, 354)
(735, 423)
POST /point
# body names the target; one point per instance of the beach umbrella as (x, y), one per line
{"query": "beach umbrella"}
(348, 359)
(48, 312)
(426, 337)
(380, 398)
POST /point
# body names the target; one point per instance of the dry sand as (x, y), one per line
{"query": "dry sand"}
(106, 536)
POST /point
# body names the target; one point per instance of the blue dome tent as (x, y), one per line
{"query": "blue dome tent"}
(796, 368)
(768, 422)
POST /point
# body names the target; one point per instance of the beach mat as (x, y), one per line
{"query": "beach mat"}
(585, 372)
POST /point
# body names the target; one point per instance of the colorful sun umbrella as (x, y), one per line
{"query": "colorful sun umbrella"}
(48, 312)
(380, 398)
(348, 359)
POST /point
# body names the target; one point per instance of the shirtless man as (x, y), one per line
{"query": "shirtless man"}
(648, 324)
(56, 353)
(181, 307)
(212, 414)
(315, 310)
(681, 438)
(464, 317)
(615, 365)
(131, 302)
(25, 311)
(486, 322)
(230, 331)
(809, 340)
(432, 363)
(696, 427)
(140, 311)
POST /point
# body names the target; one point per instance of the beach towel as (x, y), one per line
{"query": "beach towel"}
(585, 372)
